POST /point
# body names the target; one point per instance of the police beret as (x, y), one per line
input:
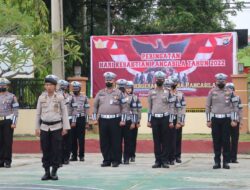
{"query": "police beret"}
(63, 82)
(160, 75)
(121, 82)
(4, 81)
(168, 82)
(76, 84)
(221, 76)
(230, 85)
(109, 75)
(174, 78)
(51, 79)
(129, 84)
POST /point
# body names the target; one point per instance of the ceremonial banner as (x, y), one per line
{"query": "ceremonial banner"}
(194, 58)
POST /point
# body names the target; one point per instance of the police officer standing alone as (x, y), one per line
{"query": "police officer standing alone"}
(66, 144)
(51, 124)
(80, 121)
(8, 118)
(221, 112)
(235, 131)
(108, 105)
(158, 119)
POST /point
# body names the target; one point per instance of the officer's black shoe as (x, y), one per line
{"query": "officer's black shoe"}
(7, 165)
(165, 165)
(132, 159)
(226, 166)
(156, 165)
(171, 163)
(66, 162)
(126, 162)
(216, 166)
(73, 158)
(178, 160)
(81, 159)
(105, 164)
(46, 176)
(115, 164)
(234, 162)
(54, 174)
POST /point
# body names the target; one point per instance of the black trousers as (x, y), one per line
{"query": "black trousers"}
(66, 145)
(51, 144)
(171, 142)
(133, 141)
(221, 138)
(234, 134)
(126, 140)
(178, 143)
(78, 137)
(6, 141)
(110, 139)
(160, 134)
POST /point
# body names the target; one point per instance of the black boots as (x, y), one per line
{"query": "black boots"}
(46, 176)
(54, 174)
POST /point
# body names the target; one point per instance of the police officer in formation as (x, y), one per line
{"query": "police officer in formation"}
(51, 124)
(80, 121)
(130, 119)
(135, 115)
(158, 119)
(8, 118)
(125, 122)
(108, 106)
(177, 120)
(67, 141)
(235, 130)
(222, 113)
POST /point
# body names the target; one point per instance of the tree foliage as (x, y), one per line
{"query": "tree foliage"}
(147, 16)
(24, 38)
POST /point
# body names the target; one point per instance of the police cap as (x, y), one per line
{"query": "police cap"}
(160, 75)
(51, 79)
(221, 77)
(4, 81)
(109, 75)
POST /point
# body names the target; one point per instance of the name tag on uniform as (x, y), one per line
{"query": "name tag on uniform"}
(111, 102)
(134, 105)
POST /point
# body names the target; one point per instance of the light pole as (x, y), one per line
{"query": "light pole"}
(57, 43)
(108, 17)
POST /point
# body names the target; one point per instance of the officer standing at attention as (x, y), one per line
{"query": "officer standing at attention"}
(134, 105)
(51, 124)
(8, 118)
(177, 120)
(158, 119)
(108, 106)
(221, 112)
(235, 131)
(80, 121)
(66, 144)
(121, 83)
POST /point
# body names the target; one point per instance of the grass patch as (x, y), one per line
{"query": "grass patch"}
(89, 135)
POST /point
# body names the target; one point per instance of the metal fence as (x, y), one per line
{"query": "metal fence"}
(27, 91)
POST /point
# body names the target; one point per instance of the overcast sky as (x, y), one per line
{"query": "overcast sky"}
(242, 20)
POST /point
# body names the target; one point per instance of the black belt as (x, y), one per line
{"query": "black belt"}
(51, 123)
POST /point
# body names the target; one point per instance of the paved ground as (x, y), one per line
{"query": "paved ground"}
(194, 173)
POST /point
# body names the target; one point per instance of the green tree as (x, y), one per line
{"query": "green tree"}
(29, 42)
(194, 15)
